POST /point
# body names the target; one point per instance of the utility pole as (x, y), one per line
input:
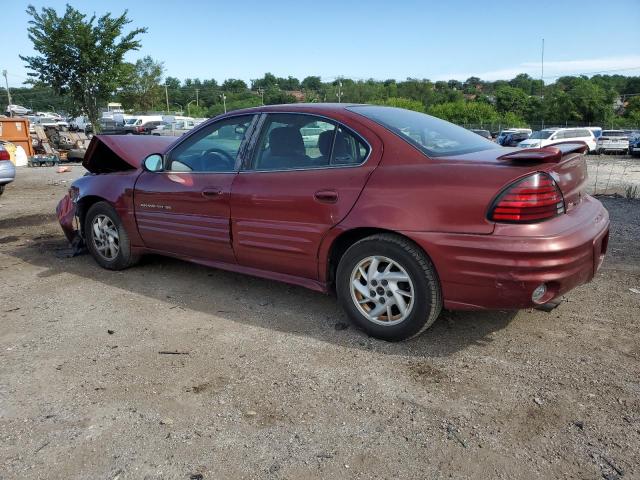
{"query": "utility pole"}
(224, 101)
(261, 92)
(4, 72)
(339, 94)
(166, 96)
(197, 103)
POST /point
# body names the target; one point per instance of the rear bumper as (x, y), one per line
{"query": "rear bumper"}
(501, 270)
(7, 172)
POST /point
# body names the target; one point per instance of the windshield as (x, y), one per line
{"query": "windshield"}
(130, 121)
(541, 135)
(434, 137)
(613, 133)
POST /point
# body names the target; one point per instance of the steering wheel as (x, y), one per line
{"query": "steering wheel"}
(226, 160)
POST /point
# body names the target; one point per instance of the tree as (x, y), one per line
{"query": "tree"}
(78, 57)
(267, 82)
(142, 90)
(403, 103)
(234, 85)
(510, 99)
(312, 83)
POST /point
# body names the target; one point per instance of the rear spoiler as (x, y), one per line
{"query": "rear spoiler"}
(551, 154)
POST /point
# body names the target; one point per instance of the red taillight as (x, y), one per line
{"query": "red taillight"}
(532, 199)
(4, 154)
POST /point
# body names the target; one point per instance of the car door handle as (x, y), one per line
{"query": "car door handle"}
(326, 196)
(212, 193)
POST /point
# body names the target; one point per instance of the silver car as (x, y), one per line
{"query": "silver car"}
(613, 140)
(7, 170)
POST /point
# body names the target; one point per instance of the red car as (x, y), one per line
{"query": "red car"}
(400, 213)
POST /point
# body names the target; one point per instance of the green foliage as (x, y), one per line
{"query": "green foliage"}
(475, 114)
(79, 67)
(511, 99)
(402, 103)
(142, 90)
(632, 108)
(234, 85)
(80, 57)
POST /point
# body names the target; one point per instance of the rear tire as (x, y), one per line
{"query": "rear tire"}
(406, 291)
(1, 189)
(107, 239)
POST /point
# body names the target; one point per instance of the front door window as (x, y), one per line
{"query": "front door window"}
(214, 149)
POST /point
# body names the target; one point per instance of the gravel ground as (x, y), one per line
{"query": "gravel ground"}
(272, 382)
(614, 174)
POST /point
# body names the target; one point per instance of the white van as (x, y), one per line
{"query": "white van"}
(81, 124)
(142, 124)
(550, 136)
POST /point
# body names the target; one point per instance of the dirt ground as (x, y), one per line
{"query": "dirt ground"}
(273, 382)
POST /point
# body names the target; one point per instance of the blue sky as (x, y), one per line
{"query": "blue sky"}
(363, 39)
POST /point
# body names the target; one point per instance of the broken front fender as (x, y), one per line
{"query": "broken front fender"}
(66, 213)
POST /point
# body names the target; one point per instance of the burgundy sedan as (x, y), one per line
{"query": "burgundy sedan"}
(399, 213)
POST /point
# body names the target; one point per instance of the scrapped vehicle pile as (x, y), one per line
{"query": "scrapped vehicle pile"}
(50, 143)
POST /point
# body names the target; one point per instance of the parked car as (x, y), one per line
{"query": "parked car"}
(513, 139)
(551, 136)
(109, 126)
(142, 125)
(613, 141)
(504, 133)
(483, 133)
(81, 124)
(597, 132)
(634, 144)
(400, 213)
(7, 170)
(176, 128)
(16, 110)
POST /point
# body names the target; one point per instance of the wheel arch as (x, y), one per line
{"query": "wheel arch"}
(344, 240)
(83, 206)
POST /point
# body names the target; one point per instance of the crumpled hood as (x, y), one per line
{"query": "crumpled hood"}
(115, 153)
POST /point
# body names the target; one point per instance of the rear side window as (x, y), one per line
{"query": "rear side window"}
(294, 142)
(434, 137)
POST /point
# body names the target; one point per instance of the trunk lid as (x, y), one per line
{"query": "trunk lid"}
(116, 153)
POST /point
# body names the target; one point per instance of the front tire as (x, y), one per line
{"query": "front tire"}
(107, 239)
(389, 287)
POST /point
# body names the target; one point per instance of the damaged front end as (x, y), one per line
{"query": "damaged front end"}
(67, 213)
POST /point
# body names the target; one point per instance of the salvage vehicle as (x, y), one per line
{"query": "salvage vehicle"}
(399, 213)
(7, 169)
(613, 141)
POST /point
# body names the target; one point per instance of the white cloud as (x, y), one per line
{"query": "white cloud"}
(629, 64)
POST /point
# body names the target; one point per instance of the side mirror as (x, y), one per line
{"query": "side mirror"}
(153, 163)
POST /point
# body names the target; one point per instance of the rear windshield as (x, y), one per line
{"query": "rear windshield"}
(613, 133)
(434, 137)
(542, 134)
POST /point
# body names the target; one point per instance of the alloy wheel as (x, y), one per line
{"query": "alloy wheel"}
(382, 290)
(105, 237)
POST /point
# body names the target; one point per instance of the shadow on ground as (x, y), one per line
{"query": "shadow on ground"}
(266, 304)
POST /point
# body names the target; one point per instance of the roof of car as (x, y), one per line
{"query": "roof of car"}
(306, 107)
